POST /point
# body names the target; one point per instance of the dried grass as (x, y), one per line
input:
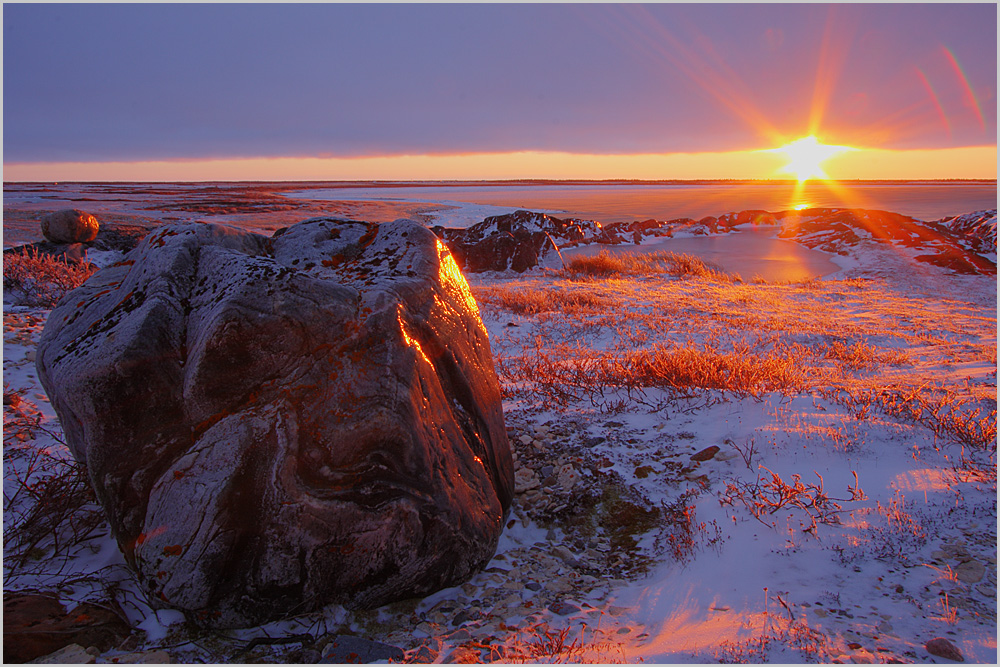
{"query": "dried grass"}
(606, 265)
(948, 412)
(534, 302)
(766, 496)
(39, 280)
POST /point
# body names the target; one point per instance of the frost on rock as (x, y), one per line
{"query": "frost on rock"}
(276, 424)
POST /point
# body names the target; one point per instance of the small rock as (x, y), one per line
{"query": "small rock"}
(705, 454)
(460, 635)
(533, 586)
(348, 649)
(862, 657)
(559, 585)
(567, 476)
(525, 479)
(69, 655)
(970, 571)
(145, 658)
(463, 655)
(566, 556)
(563, 608)
(943, 648)
(423, 655)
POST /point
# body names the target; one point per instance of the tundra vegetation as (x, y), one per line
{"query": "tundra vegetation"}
(834, 406)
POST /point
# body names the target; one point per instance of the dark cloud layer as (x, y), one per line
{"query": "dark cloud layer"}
(124, 82)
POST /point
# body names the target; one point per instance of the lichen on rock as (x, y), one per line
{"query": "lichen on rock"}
(276, 424)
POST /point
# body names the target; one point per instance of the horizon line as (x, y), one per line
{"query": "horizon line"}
(507, 181)
(976, 162)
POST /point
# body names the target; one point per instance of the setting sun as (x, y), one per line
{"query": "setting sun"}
(806, 157)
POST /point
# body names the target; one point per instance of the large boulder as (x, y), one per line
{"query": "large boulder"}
(69, 226)
(276, 424)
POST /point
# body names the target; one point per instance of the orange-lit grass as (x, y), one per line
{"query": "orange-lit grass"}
(856, 342)
(775, 631)
(947, 411)
(533, 302)
(49, 505)
(605, 264)
(765, 496)
(541, 643)
(40, 280)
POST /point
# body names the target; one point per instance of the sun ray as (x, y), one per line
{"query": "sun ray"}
(833, 51)
(806, 157)
(970, 97)
(934, 98)
(697, 59)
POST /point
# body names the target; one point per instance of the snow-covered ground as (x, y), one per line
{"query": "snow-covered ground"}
(620, 546)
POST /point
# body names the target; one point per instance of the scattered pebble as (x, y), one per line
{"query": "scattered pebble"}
(944, 648)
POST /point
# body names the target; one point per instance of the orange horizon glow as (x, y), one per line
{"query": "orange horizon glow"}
(972, 162)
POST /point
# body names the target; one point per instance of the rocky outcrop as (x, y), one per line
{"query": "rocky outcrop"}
(524, 239)
(276, 424)
(975, 231)
(69, 226)
(565, 232)
(517, 250)
(516, 241)
(843, 231)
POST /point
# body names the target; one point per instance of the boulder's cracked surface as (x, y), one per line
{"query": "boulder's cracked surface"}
(276, 424)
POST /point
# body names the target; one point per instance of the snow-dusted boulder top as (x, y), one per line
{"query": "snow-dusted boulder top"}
(977, 231)
(517, 250)
(517, 241)
(276, 424)
(564, 231)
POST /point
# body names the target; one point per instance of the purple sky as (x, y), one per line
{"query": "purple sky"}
(144, 82)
